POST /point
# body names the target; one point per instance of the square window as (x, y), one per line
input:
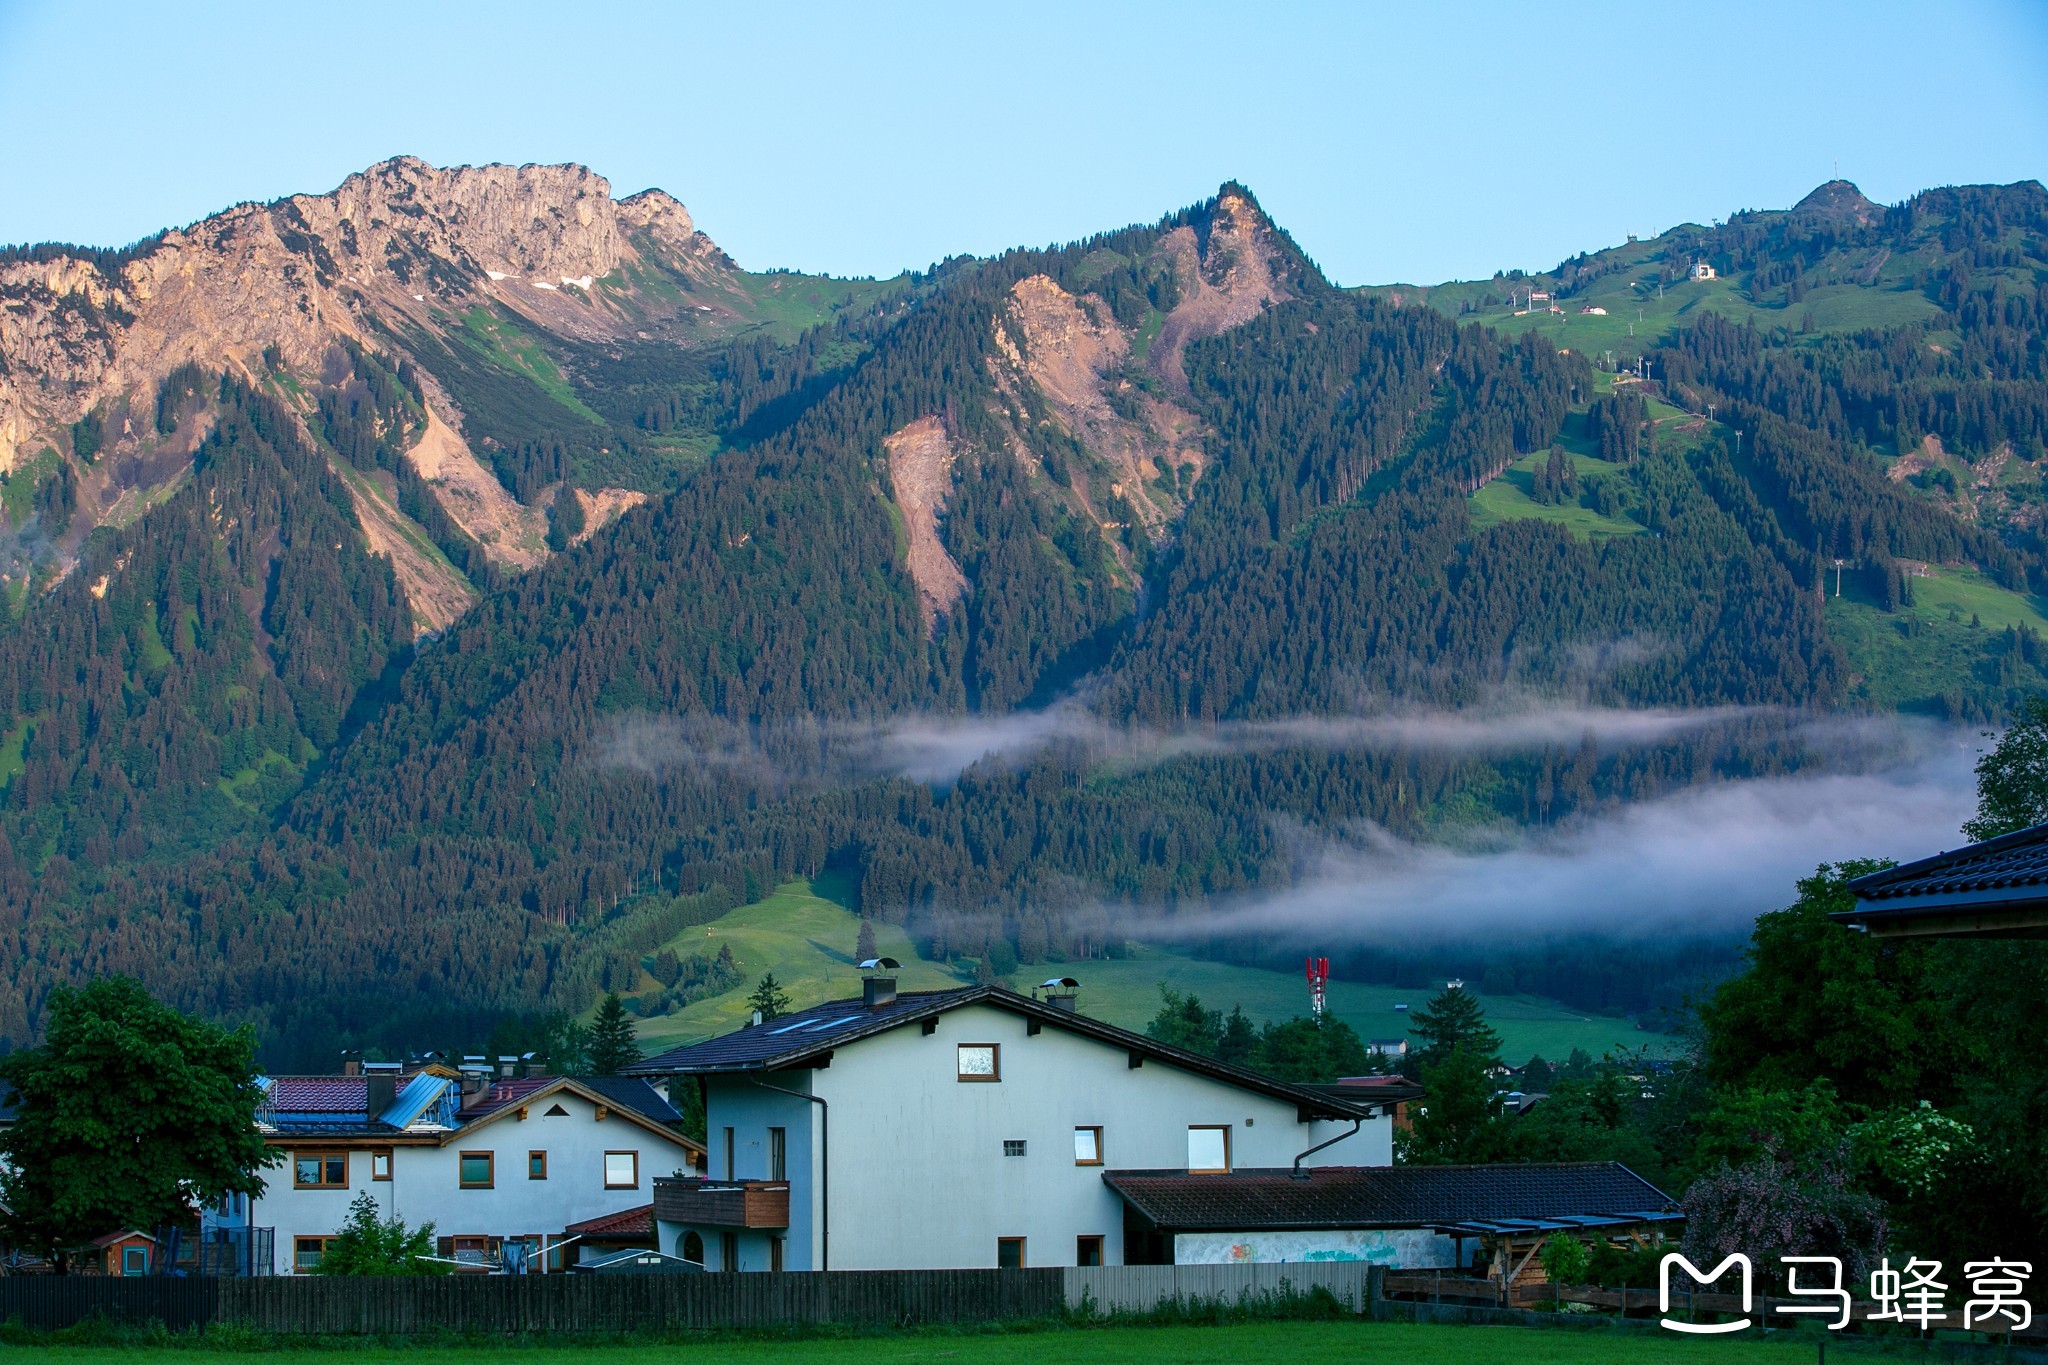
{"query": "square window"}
(306, 1252)
(536, 1165)
(1013, 1146)
(474, 1170)
(1088, 1250)
(622, 1170)
(1208, 1149)
(380, 1164)
(320, 1170)
(980, 1062)
(1087, 1146)
(1009, 1253)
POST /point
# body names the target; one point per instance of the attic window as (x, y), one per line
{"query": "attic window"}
(556, 1111)
(1013, 1146)
(980, 1062)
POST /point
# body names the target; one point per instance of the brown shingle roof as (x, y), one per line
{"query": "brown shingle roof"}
(1385, 1196)
(625, 1223)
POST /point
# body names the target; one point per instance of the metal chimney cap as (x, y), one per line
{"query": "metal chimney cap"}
(880, 964)
(1060, 983)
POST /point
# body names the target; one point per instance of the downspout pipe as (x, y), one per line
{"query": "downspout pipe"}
(824, 1167)
(1300, 1174)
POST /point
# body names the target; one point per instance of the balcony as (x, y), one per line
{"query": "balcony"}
(723, 1203)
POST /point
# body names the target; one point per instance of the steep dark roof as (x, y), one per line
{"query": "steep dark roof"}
(2015, 861)
(1385, 1196)
(808, 1037)
(1994, 889)
(630, 1092)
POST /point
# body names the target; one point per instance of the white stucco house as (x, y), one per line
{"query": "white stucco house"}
(968, 1128)
(513, 1171)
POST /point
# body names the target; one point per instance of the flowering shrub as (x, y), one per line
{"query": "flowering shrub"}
(1914, 1147)
(1773, 1207)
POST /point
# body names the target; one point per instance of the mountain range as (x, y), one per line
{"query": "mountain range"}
(427, 600)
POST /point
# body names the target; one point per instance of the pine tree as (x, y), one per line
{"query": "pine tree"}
(613, 1046)
(768, 999)
(1453, 1019)
(864, 946)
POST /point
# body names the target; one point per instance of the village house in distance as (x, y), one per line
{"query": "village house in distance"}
(516, 1171)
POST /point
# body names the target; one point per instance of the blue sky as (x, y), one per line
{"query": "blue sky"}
(1410, 142)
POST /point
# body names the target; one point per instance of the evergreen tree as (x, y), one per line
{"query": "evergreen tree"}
(768, 999)
(1460, 1119)
(613, 1043)
(864, 944)
(1453, 1019)
(1239, 1041)
(1183, 1023)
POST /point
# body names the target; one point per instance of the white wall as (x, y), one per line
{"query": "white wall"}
(918, 1176)
(425, 1185)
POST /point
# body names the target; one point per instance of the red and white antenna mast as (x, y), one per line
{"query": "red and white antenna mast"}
(1318, 977)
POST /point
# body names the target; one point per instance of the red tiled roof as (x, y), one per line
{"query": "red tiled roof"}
(625, 1223)
(502, 1093)
(318, 1094)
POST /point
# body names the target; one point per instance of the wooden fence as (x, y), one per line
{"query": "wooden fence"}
(316, 1305)
(48, 1302)
(1140, 1288)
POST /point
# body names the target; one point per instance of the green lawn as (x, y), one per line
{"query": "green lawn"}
(1910, 658)
(1280, 1343)
(1949, 592)
(807, 941)
(1511, 497)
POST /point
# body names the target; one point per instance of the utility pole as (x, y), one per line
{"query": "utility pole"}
(1838, 578)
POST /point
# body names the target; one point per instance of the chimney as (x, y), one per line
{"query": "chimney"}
(1060, 992)
(476, 1077)
(381, 1093)
(351, 1063)
(532, 1065)
(878, 981)
(508, 1067)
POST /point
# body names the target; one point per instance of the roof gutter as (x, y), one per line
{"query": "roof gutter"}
(824, 1168)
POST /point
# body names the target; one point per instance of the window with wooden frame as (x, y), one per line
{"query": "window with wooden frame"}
(1088, 1146)
(380, 1163)
(319, 1170)
(979, 1061)
(476, 1170)
(1009, 1253)
(536, 1165)
(1208, 1148)
(622, 1170)
(1088, 1249)
(306, 1254)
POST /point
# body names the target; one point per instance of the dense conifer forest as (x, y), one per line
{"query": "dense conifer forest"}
(228, 769)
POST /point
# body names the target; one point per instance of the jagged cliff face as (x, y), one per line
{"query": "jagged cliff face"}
(275, 287)
(1131, 415)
